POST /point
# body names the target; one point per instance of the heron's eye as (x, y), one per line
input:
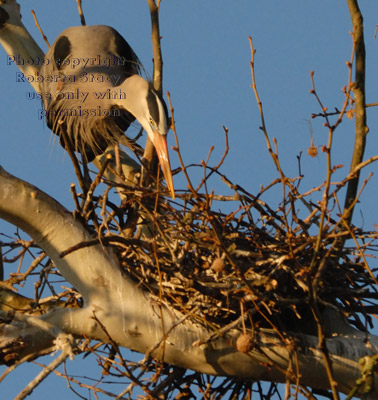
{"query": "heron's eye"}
(152, 122)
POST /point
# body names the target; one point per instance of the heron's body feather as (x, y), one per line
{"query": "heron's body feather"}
(86, 75)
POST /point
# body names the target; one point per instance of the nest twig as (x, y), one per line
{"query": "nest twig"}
(242, 265)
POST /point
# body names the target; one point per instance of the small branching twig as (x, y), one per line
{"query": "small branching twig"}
(259, 104)
(177, 148)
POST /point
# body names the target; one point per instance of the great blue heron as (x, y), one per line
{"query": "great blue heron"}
(92, 92)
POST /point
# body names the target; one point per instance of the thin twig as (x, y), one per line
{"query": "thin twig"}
(42, 376)
(80, 9)
(177, 148)
(40, 29)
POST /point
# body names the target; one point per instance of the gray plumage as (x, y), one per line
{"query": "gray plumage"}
(84, 64)
(92, 92)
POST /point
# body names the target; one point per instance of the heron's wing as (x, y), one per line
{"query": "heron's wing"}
(79, 54)
(91, 49)
(124, 51)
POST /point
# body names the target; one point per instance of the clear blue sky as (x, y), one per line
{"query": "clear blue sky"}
(206, 69)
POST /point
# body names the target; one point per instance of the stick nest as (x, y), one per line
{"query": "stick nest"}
(253, 266)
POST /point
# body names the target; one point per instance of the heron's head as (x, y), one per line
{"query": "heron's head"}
(151, 111)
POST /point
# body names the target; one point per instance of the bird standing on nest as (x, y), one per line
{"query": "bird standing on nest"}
(92, 92)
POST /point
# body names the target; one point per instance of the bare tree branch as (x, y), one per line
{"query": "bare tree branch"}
(361, 128)
(149, 152)
(17, 41)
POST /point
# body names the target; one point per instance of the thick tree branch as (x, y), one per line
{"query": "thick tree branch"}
(17, 41)
(361, 128)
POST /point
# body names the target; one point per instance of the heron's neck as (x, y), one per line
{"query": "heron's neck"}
(132, 92)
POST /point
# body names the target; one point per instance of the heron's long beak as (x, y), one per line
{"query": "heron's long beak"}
(160, 143)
